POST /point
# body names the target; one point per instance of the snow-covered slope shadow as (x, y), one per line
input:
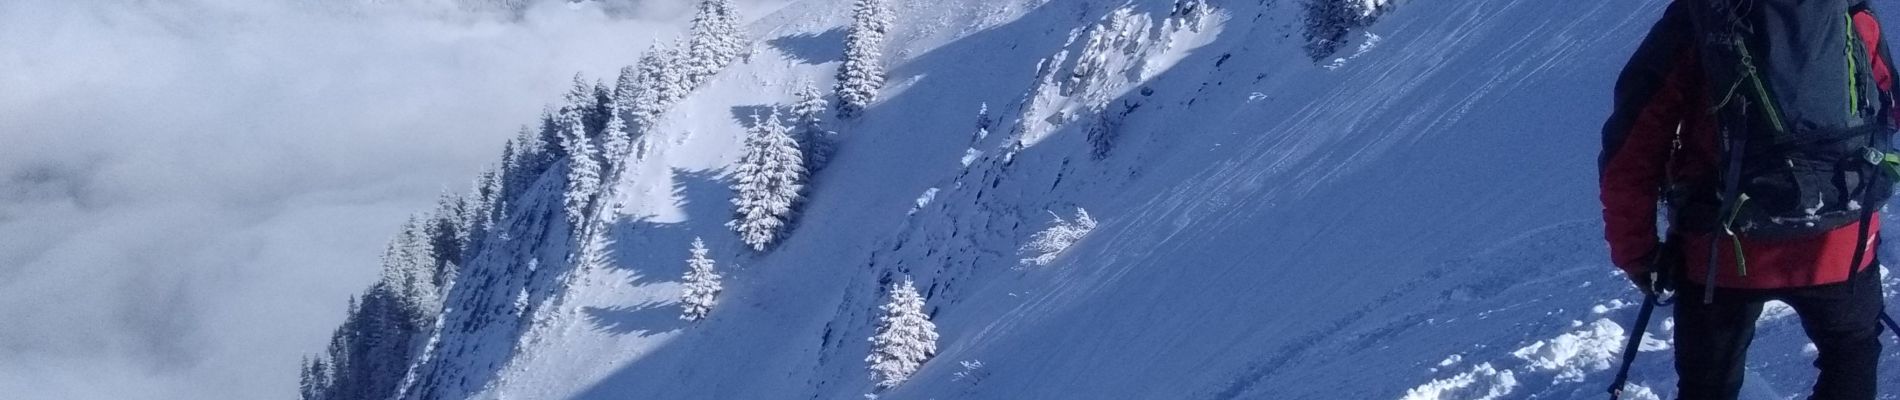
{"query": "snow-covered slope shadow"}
(1270, 228)
(1473, 123)
(654, 275)
(800, 322)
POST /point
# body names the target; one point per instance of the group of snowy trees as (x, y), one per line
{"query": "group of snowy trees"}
(579, 149)
(771, 176)
(370, 353)
(585, 142)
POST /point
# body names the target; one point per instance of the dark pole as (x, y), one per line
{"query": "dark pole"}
(1636, 339)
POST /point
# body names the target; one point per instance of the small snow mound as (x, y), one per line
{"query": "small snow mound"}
(1576, 354)
(1450, 361)
(1640, 392)
(1483, 382)
(923, 200)
(1775, 310)
(1613, 305)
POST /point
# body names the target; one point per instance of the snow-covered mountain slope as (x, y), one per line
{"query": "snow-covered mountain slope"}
(1413, 219)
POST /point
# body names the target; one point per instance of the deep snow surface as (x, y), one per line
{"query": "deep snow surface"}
(1416, 219)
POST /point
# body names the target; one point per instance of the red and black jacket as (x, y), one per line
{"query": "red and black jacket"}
(1659, 99)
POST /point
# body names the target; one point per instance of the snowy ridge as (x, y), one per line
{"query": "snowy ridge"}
(1417, 221)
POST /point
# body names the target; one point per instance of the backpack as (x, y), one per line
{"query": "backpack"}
(1804, 128)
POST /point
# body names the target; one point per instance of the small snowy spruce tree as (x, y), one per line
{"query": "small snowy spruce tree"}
(617, 143)
(808, 123)
(702, 288)
(861, 75)
(583, 171)
(768, 183)
(905, 337)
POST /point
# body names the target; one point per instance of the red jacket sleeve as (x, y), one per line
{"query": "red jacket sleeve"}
(1651, 103)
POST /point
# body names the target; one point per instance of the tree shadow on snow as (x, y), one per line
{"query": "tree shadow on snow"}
(1002, 55)
(642, 320)
(812, 48)
(744, 114)
(657, 251)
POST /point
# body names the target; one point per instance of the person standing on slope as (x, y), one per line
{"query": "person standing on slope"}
(1689, 137)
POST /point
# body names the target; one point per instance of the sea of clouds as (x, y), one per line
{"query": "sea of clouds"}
(191, 189)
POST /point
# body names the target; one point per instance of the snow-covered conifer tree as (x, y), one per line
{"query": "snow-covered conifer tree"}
(675, 83)
(583, 171)
(315, 380)
(716, 41)
(768, 183)
(861, 75)
(616, 143)
(644, 107)
(598, 109)
(809, 130)
(410, 272)
(626, 86)
(702, 287)
(548, 142)
(486, 198)
(579, 102)
(449, 228)
(660, 81)
(905, 337)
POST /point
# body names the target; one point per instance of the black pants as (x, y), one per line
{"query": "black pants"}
(1843, 320)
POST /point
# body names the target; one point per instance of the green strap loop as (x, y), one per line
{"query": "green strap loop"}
(1892, 162)
(1853, 72)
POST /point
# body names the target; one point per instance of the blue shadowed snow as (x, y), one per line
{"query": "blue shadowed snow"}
(1417, 219)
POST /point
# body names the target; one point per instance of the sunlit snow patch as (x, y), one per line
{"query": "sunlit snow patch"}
(1576, 354)
(1483, 382)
